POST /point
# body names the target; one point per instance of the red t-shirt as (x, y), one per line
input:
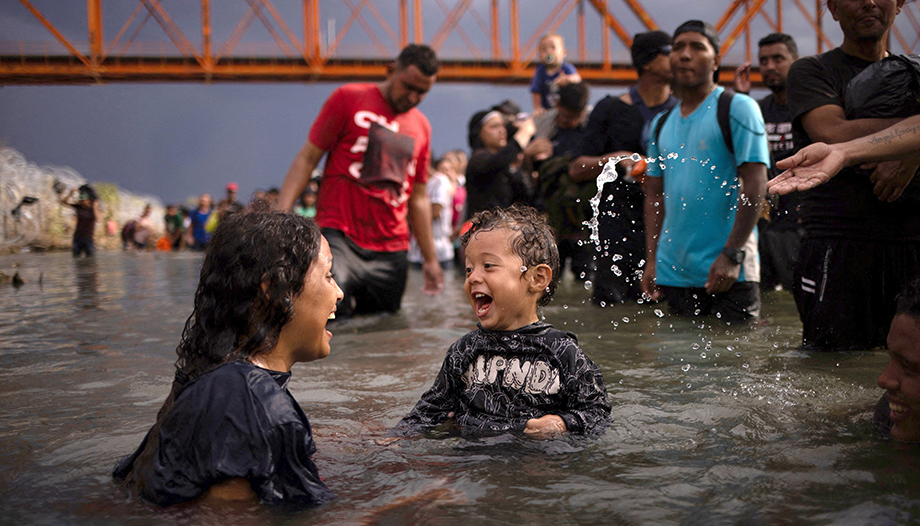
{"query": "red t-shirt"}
(374, 158)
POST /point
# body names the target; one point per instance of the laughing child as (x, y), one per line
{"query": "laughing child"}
(513, 372)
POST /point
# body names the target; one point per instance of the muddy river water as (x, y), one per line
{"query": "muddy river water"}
(711, 424)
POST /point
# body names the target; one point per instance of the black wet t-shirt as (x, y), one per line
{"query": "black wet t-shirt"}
(235, 421)
(497, 380)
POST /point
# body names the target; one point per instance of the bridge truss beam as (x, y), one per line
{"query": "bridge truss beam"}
(497, 46)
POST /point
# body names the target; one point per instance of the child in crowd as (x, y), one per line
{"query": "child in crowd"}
(552, 71)
(440, 189)
(513, 372)
(230, 429)
(306, 205)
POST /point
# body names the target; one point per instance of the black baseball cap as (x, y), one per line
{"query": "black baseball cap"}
(646, 46)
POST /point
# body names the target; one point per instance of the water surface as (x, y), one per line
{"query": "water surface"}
(711, 424)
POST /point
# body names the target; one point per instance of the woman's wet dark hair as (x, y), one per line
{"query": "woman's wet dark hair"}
(535, 242)
(255, 265)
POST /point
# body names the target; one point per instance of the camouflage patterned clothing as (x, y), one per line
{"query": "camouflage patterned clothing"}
(497, 380)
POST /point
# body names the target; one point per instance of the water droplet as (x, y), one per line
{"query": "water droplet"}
(659, 313)
(703, 355)
(625, 319)
(695, 346)
(685, 367)
(588, 284)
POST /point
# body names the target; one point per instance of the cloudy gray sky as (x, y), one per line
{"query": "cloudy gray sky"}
(178, 140)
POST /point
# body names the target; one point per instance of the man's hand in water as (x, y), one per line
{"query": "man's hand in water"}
(545, 425)
(813, 165)
(434, 277)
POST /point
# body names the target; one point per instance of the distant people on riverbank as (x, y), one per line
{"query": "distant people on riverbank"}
(230, 429)
(87, 212)
(174, 223)
(197, 236)
(143, 230)
(229, 204)
(514, 372)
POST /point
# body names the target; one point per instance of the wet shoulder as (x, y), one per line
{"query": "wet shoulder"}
(241, 386)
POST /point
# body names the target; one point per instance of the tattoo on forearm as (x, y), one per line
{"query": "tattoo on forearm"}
(897, 133)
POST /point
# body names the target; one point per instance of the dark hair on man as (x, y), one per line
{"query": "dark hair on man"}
(780, 38)
(254, 268)
(535, 242)
(574, 96)
(420, 56)
(908, 301)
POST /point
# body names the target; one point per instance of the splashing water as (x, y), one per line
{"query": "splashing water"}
(608, 175)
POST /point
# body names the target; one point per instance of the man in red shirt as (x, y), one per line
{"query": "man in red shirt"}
(373, 186)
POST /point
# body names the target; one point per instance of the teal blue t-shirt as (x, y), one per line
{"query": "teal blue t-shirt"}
(701, 187)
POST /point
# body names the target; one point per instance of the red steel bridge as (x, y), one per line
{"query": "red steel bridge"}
(493, 41)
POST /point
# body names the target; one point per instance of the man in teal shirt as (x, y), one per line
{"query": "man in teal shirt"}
(703, 196)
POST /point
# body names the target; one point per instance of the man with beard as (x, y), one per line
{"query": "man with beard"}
(374, 183)
(780, 235)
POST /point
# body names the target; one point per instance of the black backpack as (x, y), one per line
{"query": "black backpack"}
(566, 202)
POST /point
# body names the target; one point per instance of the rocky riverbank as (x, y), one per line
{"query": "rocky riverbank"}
(46, 224)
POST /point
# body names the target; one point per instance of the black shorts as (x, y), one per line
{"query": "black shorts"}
(845, 290)
(779, 252)
(739, 303)
(372, 281)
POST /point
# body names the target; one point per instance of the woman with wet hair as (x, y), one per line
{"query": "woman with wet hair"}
(230, 429)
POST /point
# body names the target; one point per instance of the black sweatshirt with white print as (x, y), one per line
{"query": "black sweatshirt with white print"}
(498, 380)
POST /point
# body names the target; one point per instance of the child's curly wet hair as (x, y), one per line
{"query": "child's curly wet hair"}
(535, 243)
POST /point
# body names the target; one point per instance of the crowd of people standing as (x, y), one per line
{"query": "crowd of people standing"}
(677, 223)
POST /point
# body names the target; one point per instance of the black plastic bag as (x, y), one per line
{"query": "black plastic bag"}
(889, 88)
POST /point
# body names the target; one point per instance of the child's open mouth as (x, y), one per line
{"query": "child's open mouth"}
(483, 302)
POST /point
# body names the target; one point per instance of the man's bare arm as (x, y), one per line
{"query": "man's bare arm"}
(753, 182)
(299, 173)
(817, 163)
(829, 124)
(420, 221)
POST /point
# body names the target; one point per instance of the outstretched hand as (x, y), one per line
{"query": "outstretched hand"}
(813, 165)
